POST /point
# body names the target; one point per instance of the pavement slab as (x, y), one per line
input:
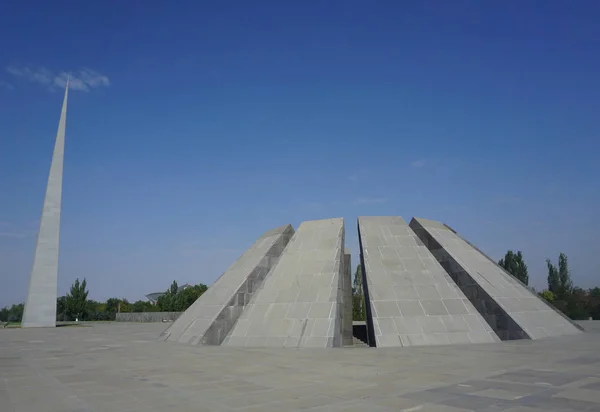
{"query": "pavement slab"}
(62, 370)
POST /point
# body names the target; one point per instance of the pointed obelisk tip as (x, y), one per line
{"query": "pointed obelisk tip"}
(68, 78)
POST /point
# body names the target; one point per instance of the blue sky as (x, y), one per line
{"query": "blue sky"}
(195, 127)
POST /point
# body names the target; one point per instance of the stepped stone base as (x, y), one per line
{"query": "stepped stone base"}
(510, 308)
(211, 317)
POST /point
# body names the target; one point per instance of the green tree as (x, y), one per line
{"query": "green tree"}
(564, 274)
(12, 314)
(358, 297)
(4, 314)
(111, 307)
(124, 306)
(166, 302)
(143, 306)
(594, 303)
(76, 300)
(514, 264)
(547, 295)
(186, 297)
(553, 282)
(578, 304)
(559, 279)
(61, 309)
(97, 311)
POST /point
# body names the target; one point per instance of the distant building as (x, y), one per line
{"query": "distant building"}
(153, 297)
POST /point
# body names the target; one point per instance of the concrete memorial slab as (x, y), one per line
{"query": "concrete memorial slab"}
(510, 308)
(410, 299)
(301, 303)
(211, 317)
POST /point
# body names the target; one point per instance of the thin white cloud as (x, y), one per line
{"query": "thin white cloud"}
(419, 163)
(82, 80)
(369, 200)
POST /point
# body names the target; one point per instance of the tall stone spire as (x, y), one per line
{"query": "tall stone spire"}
(40, 306)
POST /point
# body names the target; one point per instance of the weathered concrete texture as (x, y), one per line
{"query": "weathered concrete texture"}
(301, 302)
(40, 305)
(211, 317)
(122, 368)
(147, 317)
(411, 299)
(591, 326)
(512, 310)
(347, 336)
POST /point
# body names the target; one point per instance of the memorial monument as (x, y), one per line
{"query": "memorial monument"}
(423, 284)
(301, 303)
(211, 317)
(509, 307)
(410, 299)
(40, 306)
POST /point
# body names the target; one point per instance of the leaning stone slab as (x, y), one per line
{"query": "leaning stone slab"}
(510, 308)
(410, 300)
(211, 317)
(301, 303)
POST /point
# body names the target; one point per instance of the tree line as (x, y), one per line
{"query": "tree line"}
(75, 305)
(573, 301)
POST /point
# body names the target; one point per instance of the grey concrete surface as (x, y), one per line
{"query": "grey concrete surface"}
(412, 299)
(512, 310)
(213, 315)
(147, 316)
(301, 301)
(514, 278)
(40, 304)
(123, 367)
(592, 326)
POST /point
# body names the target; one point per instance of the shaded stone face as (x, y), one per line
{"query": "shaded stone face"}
(40, 306)
(410, 299)
(212, 316)
(512, 310)
(301, 302)
(347, 335)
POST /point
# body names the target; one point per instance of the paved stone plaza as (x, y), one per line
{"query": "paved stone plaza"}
(124, 367)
